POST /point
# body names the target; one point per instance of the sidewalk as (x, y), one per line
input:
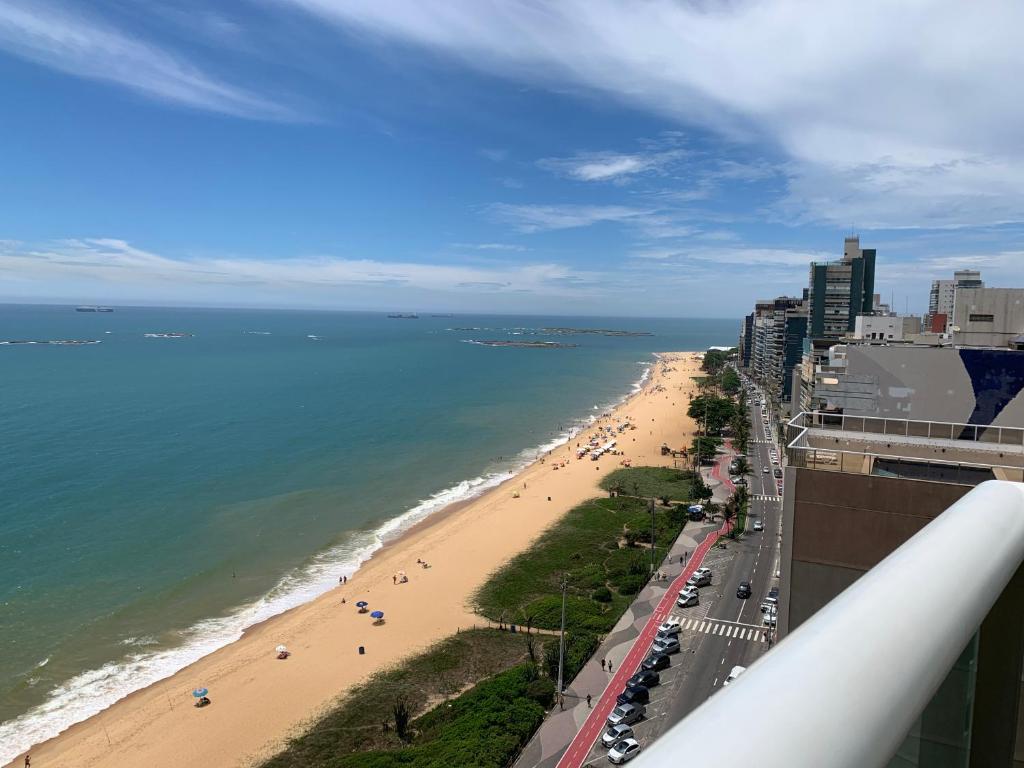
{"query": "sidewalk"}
(565, 737)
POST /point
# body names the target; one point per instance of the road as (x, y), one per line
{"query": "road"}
(723, 631)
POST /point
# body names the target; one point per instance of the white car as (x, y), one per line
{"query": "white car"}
(767, 470)
(770, 617)
(671, 626)
(733, 674)
(758, 525)
(624, 751)
(688, 597)
(615, 734)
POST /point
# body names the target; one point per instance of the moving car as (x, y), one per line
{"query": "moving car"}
(733, 674)
(687, 597)
(758, 525)
(666, 645)
(615, 734)
(624, 751)
(656, 662)
(645, 677)
(634, 694)
(766, 470)
(743, 591)
(626, 714)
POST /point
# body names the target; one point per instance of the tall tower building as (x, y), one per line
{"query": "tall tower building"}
(838, 291)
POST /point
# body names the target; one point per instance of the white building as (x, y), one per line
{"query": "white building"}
(942, 298)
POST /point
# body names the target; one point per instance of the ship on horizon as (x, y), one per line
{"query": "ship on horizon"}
(404, 316)
(93, 308)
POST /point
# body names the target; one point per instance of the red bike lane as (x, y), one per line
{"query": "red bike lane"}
(577, 751)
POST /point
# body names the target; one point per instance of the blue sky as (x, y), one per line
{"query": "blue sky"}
(585, 156)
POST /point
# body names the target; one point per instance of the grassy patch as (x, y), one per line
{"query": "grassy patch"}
(603, 543)
(652, 482)
(355, 726)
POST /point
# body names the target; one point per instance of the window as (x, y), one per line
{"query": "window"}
(980, 318)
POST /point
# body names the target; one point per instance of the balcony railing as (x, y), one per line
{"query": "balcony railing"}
(844, 689)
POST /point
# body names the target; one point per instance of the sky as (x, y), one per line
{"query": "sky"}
(568, 157)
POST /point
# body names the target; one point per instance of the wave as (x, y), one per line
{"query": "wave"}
(95, 690)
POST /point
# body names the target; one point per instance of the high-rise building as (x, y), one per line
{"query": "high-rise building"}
(838, 291)
(746, 340)
(942, 297)
(779, 328)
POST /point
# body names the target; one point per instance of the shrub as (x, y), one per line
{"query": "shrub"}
(542, 691)
(602, 595)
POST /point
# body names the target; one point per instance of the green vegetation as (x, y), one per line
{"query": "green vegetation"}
(600, 543)
(712, 411)
(705, 447)
(484, 726)
(651, 482)
(715, 360)
(736, 508)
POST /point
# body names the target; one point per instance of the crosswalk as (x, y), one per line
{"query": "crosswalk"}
(724, 629)
(764, 497)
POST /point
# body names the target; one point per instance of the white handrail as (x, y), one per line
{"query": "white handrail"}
(844, 689)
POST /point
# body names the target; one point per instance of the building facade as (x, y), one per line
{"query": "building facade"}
(839, 291)
(942, 297)
(988, 317)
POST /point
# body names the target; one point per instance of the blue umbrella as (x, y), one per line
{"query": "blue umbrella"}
(362, 604)
(200, 692)
(377, 614)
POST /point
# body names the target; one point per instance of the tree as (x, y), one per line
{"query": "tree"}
(699, 490)
(729, 380)
(706, 447)
(742, 467)
(713, 411)
(728, 513)
(402, 714)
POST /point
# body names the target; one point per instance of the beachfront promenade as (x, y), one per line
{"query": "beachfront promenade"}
(566, 738)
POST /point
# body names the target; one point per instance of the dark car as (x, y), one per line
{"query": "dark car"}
(634, 694)
(645, 677)
(656, 662)
(773, 592)
(743, 591)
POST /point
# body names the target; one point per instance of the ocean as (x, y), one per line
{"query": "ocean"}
(160, 494)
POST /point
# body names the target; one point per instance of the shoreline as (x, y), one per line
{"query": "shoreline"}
(144, 718)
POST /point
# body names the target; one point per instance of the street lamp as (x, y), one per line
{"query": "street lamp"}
(650, 508)
(561, 636)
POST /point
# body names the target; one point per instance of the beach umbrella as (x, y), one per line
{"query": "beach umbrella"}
(377, 614)
(362, 604)
(200, 692)
(281, 649)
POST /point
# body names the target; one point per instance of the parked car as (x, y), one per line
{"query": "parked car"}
(634, 694)
(656, 662)
(699, 579)
(688, 597)
(778, 472)
(645, 677)
(770, 617)
(670, 626)
(615, 734)
(734, 673)
(666, 645)
(624, 751)
(773, 592)
(743, 591)
(626, 714)
(740, 481)
(769, 604)
(758, 525)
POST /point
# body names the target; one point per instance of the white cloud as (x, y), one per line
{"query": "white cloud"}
(542, 218)
(112, 265)
(609, 166)
(912, 100)
(490, 246)
(73, 43)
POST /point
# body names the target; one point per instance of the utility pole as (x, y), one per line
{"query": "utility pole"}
(650, 508)
(561, 637)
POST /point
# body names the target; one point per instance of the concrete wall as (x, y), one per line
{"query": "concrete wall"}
(1005, 305)
(931, 384)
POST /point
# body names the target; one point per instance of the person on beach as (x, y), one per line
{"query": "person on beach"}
(394, 578)
(28, 761)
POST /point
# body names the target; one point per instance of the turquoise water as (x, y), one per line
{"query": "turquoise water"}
(160, 494)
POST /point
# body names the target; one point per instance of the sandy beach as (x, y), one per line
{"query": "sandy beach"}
(258, 700)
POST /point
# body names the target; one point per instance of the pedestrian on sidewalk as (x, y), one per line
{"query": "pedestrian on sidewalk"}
(609, 665)
(561, 702)
(602, 665)
(588, 701)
